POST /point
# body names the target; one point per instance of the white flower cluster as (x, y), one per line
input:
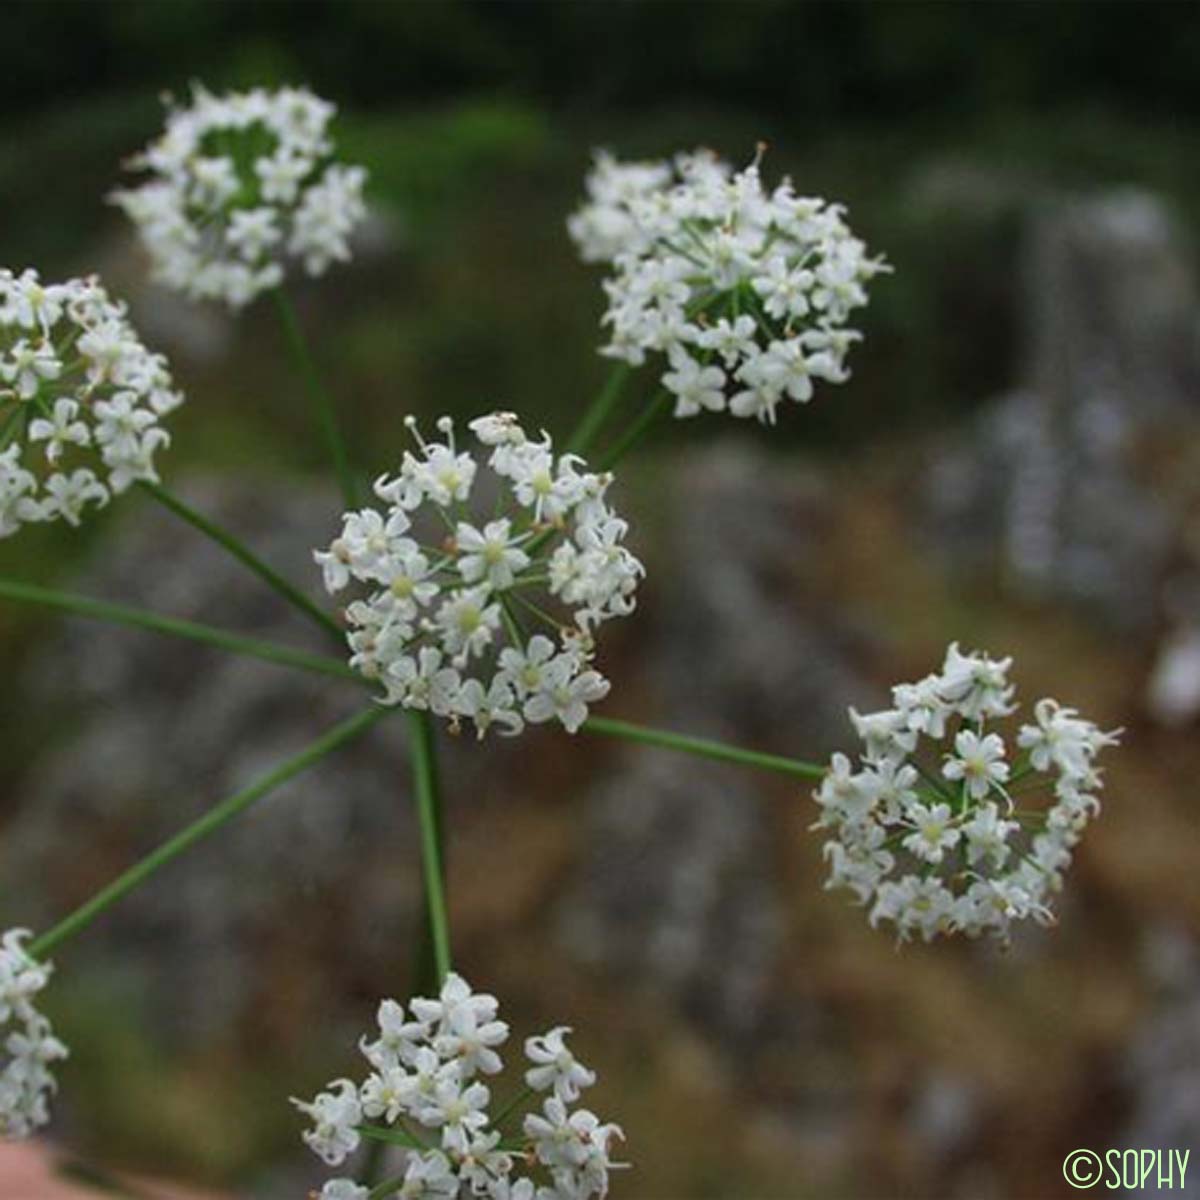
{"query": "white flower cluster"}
(928, 830)
(239, 184)
(81, 400)
(746, 292)
(29, 1044)
(447, 624)
(426, 1085)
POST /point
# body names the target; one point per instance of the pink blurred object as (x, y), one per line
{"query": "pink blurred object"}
(30, 1171)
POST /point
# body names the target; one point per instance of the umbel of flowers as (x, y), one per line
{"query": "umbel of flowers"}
(29, 1043)
(943, 826)
(427, 1088)
(746, 292)
(81, 400)
(240, 185)
(487, 617)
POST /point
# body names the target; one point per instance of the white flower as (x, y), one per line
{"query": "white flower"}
(456, 996)
(399, 1037)
(935, 832)
(429, 1176)
(425, 1062)
(471, 1039)
(555, 1067)
(565, 692)
(491, 621)
(336, 1115)
(987, 835)
(1062, 739)
(574, 1145)
(239, 187)
(694, 385)
(344, 1189)
(26, 1081)
(81, 401)
(28, 366)
(917, 833)
(978, 762)
(976, 686)
(491, 555)
(468, 622)
(423, 682)
(706, 262)
(68, 495)
(63, 429)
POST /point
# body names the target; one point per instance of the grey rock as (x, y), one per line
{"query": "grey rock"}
(1045, 481)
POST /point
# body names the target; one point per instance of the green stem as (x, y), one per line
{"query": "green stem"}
(703, 747)
(508, 1109)
(426, 761)
(120, 614)
(212, 820)
(392, 1137)
(322, 404)
(372, 1165)
(425, 781)
(636, 430)
(598, 411)
(11, 422)
(389, 1187)
(247, 557)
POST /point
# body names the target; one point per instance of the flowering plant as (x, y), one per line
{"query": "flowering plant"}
(81, 400)
(432, 630)
(929, 830)
(239, 185)
(746, 292)
(428, 1072)
(478, 581)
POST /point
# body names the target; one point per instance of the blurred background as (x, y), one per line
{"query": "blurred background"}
(1016, 464)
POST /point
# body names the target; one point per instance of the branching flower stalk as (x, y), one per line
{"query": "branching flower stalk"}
(741, 297)
(136, 618)
(30, 1046)
(243, 554)
(216, 818)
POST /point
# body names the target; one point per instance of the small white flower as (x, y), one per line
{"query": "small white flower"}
(987, 835)
(424, 682)
(336, 1115)
(976, 686)
(564, 694)
(468, 622)
(429, 1176)
(555, 1067)
(935, 832)
(344, 1189)
(694, 385)
(978, 762)
(490, 555)
(63, 428)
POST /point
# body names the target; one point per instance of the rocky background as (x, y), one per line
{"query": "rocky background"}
(1014, 465)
